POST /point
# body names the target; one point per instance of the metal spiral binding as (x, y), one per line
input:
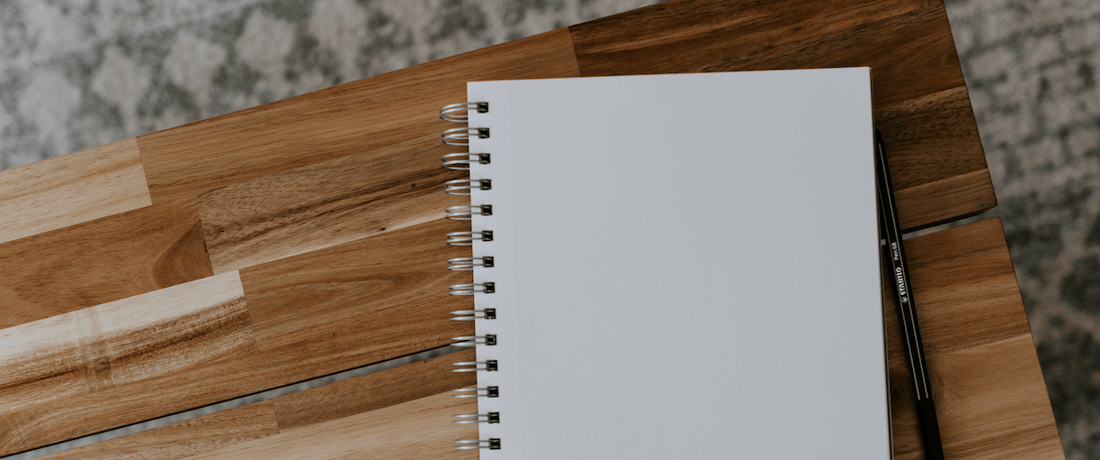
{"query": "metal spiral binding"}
(488, 287)
(468, 263)
(460, 113)
(491, 444)
(475, 366)
(460, 137)
(473, 340)
(491, 417)
(470, 315)
(486, 392)
(463, 186)
(467, 238)
(462, 161)
(468, 212)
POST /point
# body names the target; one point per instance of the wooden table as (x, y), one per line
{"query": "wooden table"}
(305, 237)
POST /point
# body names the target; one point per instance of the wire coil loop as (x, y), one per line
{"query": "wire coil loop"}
(474, 340)
(462, 161)
(473, 288)
(468, 238)
(468, 212)
(468, 263)
(460, 112)
(490, 417)
(460, 137)
(475, 366)
(465, 187)
(486, 392)
(470, 315)
(491, 444)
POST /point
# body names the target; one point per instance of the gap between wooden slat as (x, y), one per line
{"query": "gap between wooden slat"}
(233, 403)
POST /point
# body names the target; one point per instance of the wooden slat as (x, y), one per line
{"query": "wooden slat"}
(969, 194)
(71, 189)
(420, 429)
(325, 204)
(100, 261)
(386, 294)
(134, 346)
(920, 98)
(397, 109)
(989, 390)
(310, 315)
(418, 397)
(373, 391)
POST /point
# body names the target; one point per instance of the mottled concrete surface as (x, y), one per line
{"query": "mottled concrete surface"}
(80, 73)
(1031, 69)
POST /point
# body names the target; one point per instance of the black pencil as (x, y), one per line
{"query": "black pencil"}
(907, 313)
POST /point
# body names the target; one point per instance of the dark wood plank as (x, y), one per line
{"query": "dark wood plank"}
(397, 109)
(324, 204)
(374, 391)
(920, 97)
(387, 293)
(100, 261)
(989, 390)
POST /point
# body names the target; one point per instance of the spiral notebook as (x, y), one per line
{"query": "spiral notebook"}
(672, 266)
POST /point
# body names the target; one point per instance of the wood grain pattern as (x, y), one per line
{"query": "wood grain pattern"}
(373, 391)
(325, 311)
(71, 189)
(101, 261)
(397, 109)
(325, 204)
(419, 429)
(386, 295)
(947, 200)
(184, 439)
(131, 346)
(920, 98)
(407, 389)
(989, 390)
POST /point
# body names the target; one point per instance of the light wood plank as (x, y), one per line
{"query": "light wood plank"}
(302, 415)
(71, 189)
(920, 98)
(133, 346)
(397, 109)
(101, 261)
(989, 390)
(986, 384)
(325, 204)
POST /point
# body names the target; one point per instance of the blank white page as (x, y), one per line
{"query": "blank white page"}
(686, 267)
